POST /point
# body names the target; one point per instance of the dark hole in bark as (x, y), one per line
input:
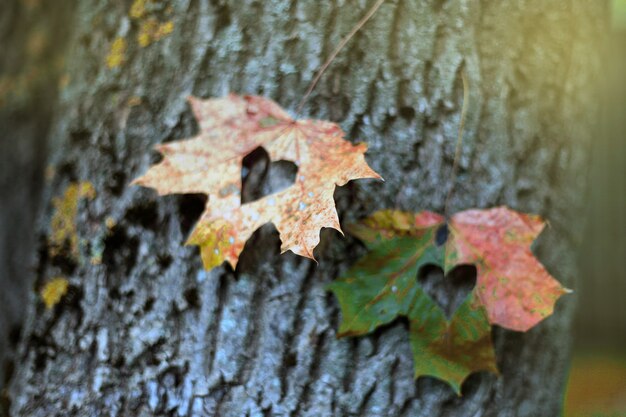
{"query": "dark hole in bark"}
(222, 18)
(144, 213)
(164, 260)
(117, 183)
(149, 304)
(190, 207)
(14, 335)
(173, 376)
(192, 297)
(42, 348)
(40, 361)
(114, 293)
(151, 356)
(260, 177)
(448, 291)
(71, 302)
(65, 262)
(406, 112)
(80, 138)
(291, 360)
(67, 169)
(120, 250)
(119, 361)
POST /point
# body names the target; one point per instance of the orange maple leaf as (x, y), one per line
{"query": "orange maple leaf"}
(231, 128)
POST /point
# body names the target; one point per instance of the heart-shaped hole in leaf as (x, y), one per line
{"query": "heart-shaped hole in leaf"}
(449, 291)
(190, 208)
(261, 177)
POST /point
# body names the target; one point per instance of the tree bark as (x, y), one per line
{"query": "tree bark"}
(144, 331)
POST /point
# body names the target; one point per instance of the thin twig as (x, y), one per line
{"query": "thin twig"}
(459, 143)
(332, 56)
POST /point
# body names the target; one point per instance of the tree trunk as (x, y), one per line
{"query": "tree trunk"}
(144, 331)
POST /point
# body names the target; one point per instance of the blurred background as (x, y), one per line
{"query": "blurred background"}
(598, 375)
(33, 38)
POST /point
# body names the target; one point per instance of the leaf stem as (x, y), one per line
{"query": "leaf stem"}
(459, 143)
(333, 55)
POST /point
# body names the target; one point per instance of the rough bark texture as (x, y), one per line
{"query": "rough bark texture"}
(146, 332)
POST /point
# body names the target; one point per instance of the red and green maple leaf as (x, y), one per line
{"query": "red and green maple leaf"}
(512, 288)
(231, 128)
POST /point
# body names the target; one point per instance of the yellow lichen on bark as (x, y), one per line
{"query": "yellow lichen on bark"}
(138, 9)
(63, 223)
(166, 28)
(53, 291)
(151, 30)
(117, 53)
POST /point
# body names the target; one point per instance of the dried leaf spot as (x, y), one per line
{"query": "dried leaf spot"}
(212, 163)
(268, 122)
